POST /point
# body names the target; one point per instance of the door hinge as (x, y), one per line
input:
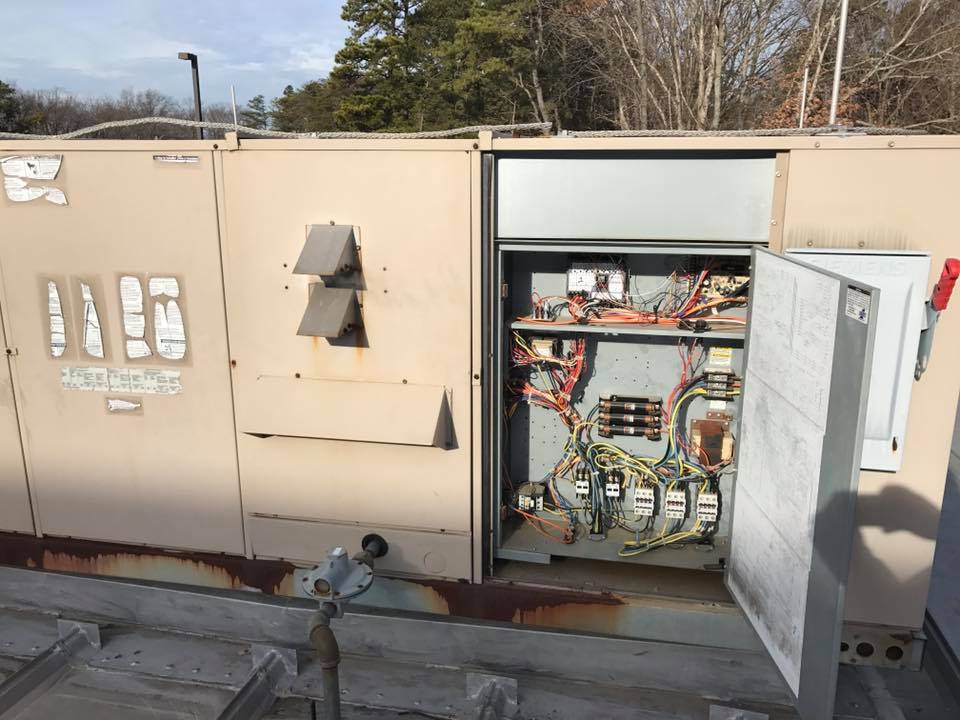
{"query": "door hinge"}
(505, 290)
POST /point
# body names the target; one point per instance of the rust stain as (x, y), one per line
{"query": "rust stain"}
(507, 602)
(494, 600)
(143, 563)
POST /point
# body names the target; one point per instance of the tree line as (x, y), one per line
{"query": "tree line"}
(592, 64)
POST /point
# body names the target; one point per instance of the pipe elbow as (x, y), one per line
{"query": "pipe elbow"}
(324, 643)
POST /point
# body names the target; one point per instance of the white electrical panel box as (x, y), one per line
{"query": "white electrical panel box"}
(606, 281)
(901, 277)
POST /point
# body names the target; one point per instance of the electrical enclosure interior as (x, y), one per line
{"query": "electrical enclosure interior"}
(619, 341)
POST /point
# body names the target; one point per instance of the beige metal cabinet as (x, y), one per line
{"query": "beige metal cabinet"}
(371, 431)
(15, 513)
(161, 473)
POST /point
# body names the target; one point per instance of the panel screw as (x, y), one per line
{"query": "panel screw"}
(891, 144)
(384, 292)
(779, 174)
(861, 243)
(233, 363)
(296, 375)
(476, 146)
(817, 144)
(809, 243)
(404, 381)
(773, 222)
(215, 146)
(476, 376)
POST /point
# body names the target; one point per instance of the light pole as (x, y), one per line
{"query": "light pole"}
(197, 110)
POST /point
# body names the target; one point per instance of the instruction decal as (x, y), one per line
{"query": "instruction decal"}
(122, 380)
(18, 170)
(857, 305)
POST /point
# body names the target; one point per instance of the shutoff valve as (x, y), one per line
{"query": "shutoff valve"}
(340, 578)
(937, 303)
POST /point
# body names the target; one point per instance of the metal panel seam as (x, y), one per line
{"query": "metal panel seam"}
(220, 204)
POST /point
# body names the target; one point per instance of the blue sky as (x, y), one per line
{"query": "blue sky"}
(100, 47)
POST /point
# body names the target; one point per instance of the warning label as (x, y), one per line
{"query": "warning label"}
(858, 304)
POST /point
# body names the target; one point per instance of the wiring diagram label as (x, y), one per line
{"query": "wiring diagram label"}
(857, 305)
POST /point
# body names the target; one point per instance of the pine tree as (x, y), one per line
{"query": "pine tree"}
(376, 66)
(255, 114)
(11, 109)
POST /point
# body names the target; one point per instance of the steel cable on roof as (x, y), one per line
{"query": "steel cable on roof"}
(259, 132)
(542, 127)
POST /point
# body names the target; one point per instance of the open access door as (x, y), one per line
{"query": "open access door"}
(809, 351)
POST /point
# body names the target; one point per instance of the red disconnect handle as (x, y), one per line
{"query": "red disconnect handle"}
(943, 288)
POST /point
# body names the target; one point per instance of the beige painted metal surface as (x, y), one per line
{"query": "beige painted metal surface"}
(352, 425)
(169, 475)
(15, 511)
(163, 475)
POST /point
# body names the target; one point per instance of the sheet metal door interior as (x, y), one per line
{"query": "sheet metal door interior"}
(165, 473)
(346, 428)
(809, 350)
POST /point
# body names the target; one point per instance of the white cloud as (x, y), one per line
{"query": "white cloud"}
(245, 67)
(104, 47)
(312, 57)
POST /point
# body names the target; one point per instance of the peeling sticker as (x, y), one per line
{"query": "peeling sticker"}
(58, 330)
(32, 167)
(177, 158)
(164, 286)
(84, 378)
(18, 169)
(122, 405)
(134, 321)
(92, 336)
(137, 349)
(122, 380)
(170, 332)
(18, 191)
(134, 325)
(54, 195)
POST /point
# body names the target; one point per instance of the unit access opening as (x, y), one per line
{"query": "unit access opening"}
(618, 398)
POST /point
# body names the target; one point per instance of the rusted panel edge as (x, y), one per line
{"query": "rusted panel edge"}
(502, 601)
(91, 557)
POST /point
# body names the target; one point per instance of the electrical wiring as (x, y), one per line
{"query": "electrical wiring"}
(601, 471)
(681, 304)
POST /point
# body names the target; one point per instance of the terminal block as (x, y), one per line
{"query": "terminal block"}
(708, 507)
(530, 497)
(644, 501)
(581, 481)
(613, 483)
(676, 504)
